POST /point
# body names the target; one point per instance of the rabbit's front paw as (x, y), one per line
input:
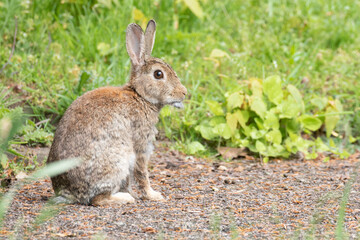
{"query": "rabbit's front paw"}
(154, 195)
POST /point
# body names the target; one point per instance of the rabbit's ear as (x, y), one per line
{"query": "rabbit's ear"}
(150, 37)
(135, 44)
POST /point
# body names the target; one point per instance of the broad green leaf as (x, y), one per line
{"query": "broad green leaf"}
(297, 96)
(257, 134)
(260, 147)
(274, 136)
(331, 120)
(295, 143)
(206, 132)
(289, 108)
(310, 122)
(246, 131)
(310, 156)
(217, 53)
(217, 120)
(195, 7)
(272, 88)
(258, 106)
(352, 139)
(223, 130)
(243, 143)
(276, 150)
(232, 121)
(256, 87)
(271, 121)
(215, 107)
(319, 102)
(320, 145)
(235, 100)
(242, 117)
(292, 126)
(195, 147)
(259, 123)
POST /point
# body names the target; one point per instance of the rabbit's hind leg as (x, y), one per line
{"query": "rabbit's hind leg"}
(112, 199)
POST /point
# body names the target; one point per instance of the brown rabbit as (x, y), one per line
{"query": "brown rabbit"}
(111, 129)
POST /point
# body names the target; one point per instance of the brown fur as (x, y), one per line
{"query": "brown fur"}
(111, 129)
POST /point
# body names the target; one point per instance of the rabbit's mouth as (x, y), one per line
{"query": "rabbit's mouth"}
(177, 104)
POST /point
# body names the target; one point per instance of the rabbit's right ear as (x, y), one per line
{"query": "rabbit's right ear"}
(150, 37)
(135, 44)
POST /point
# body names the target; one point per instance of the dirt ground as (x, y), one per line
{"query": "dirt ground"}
(205, 200)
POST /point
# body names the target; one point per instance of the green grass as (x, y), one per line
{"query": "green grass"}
(314, 45)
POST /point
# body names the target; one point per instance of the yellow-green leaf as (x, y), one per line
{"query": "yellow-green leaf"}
(235, 100)
(194, 7)
(195, 147)
(217, 120)
(331, 120)
(296, 95)
(274, 136)
(260, 146)
(223, 130)
(289, 108)
(242, 117)
(319, 102)
(271, 121)
(215, 107)
(232, 121)
(258, 106)
(206, 132)
(217, 53)
(272, 88)
(310, 122)
(256, 87)
(352, 139)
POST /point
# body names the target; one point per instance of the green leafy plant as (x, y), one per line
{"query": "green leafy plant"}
(33, 134)
(270, 119)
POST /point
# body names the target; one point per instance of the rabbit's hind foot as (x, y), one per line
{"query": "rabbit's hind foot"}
(112, 199)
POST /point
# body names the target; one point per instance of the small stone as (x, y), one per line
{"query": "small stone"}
(21, 175)
(222, 168)
(177, 196)
(198, 166)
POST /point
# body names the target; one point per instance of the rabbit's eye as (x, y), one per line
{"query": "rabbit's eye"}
(158, 74)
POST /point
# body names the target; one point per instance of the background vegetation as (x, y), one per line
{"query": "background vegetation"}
(223, 51)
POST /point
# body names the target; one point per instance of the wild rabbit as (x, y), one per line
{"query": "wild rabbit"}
(112, 129)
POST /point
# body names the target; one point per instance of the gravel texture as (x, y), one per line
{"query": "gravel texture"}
(205, 200)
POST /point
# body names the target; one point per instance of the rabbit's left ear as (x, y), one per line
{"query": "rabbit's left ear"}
(150, 37)
(135, 44)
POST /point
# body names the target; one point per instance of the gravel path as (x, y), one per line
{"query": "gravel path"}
(241, 199)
